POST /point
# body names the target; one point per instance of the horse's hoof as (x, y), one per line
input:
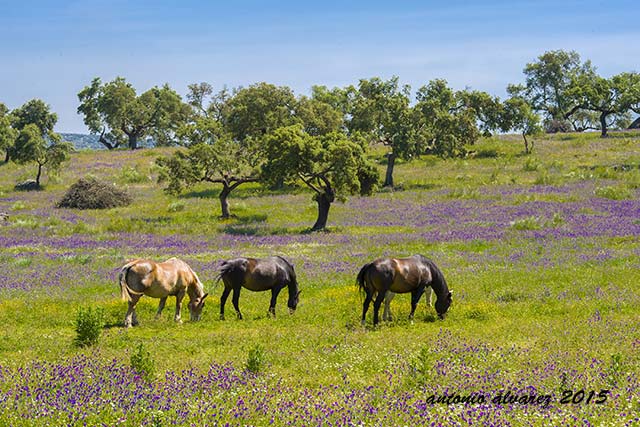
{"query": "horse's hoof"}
(222, 317)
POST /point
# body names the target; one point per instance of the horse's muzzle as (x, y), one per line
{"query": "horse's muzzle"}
(441, 316)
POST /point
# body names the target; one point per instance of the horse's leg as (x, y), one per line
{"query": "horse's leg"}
(365, 306)
(223, 300)
(386, 315)
(431, 296)
(236, 299)
(376, 306)
(415, 297)
(130, 319)
(179, 297)
(163, 301)
(274, 297)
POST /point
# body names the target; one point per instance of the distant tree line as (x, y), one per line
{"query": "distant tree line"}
(266, 133)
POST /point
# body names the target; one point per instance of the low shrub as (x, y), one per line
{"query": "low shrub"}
(89, 325)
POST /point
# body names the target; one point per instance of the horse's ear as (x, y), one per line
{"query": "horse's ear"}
(204, 296)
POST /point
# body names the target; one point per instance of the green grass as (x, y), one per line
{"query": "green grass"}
(527, 310)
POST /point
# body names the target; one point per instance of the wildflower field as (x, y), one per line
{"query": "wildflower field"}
(541, 251)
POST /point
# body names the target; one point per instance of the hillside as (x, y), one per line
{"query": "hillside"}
(541, 252)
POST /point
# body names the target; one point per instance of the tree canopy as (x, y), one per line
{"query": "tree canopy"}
(547, 84)
(445, 122)
(7, 132)
(610, 98)
(381, 110)
(115, 112)
(31, 146)
(331, 165)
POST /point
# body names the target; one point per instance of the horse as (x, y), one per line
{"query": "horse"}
(272, 273)
(402, 275)
(172, 277)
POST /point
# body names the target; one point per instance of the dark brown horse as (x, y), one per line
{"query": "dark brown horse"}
(402, 275)
(272, 273)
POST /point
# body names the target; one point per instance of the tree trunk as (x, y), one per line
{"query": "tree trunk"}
(106, 143)
(133, 142)
(526, 143)
(224, 203)
(635, 124)
(388, 179)
(324, 203)
(603, 124)
(7, 157)
(39, 175)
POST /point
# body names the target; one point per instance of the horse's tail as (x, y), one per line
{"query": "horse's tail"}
(225, 269)
(125, 291)
(361, 279)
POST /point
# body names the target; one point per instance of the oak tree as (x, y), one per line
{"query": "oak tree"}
(332, 166)
(115, 112)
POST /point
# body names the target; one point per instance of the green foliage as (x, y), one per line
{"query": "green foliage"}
(518, 116)
(17, 206)
(421, 367)
(7, 132)
(548, 81)
(607, 97)
(175, 207)
(333, 166)
(613, 192)
(318, 117)
(32, 147)
(225, 162)
(258, 110)
(446, 123)
(381, 111)
(89, 325)
(256, 359)
(34, 112)
(529, 223)
(142, 363)
(132, 175)
(531, 164)
(120, 116)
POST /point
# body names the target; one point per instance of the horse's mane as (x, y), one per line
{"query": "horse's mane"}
(437, 277)
(286, 261)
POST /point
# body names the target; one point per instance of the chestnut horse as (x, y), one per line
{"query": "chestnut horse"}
(160, 280)
(402, 275)
(272, 273)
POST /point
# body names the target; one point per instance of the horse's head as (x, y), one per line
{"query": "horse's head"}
(195, 307)
(442, 304)
(293, 302)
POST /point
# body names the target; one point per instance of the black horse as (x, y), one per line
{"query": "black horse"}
(272, 273)
(402, 275)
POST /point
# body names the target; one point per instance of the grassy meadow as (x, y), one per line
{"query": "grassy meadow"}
(542, 252)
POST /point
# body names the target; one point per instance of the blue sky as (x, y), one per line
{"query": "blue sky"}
(52, 49)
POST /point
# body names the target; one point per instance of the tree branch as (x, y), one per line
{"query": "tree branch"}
(308, 182)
